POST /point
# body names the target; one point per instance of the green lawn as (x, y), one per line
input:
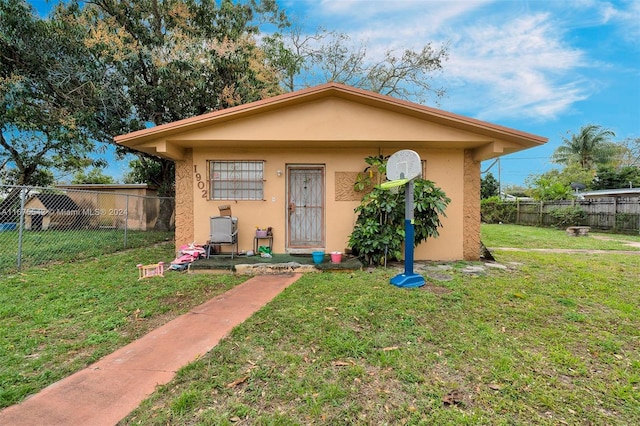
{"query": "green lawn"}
(554, 339)
(532, 237)
(43, 247)
(57, 319)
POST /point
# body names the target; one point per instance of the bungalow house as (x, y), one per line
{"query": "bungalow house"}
(50, 211)
(290, 163)
(626, 193)
(110, 205)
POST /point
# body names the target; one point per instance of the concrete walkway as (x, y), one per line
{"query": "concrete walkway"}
(107, 391)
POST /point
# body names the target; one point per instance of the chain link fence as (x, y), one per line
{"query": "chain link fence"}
(43, 225)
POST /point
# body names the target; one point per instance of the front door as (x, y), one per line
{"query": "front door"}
(305, 207)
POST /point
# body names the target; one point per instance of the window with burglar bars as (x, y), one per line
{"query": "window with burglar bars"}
(236, 180)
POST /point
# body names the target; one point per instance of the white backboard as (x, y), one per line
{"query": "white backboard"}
(404, 164)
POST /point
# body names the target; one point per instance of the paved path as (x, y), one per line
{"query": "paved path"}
(107, 391)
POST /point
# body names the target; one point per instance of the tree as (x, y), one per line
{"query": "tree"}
(176, 59)
(609, 177)
(545, 188)
(95, 176)
(590, 147)
(516, 190)
(329, 56)
(556, 183)
(489, 186)
(630, 152)
(42, 78)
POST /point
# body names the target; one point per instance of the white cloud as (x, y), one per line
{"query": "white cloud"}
(521, 67)
(507, 59)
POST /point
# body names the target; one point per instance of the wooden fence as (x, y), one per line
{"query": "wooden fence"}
(615, 214)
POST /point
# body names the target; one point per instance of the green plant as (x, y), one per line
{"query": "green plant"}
(546, 187)
(626, 221)
(489, 186)
(496, 210)
(379, 230)
(567, 216)
(376, 169)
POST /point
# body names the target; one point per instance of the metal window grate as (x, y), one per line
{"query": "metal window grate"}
(237, 180)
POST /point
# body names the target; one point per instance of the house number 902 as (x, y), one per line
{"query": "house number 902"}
(199, 182)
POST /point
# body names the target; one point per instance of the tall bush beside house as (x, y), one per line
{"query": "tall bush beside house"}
(379, 231)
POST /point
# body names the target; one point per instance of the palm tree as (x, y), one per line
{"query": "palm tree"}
(589, 147)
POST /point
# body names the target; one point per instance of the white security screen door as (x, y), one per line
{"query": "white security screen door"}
(305, 206)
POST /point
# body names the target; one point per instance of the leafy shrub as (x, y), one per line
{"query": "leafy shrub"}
(567, 216)
(379, 230)
(626, 221)
(496, 210)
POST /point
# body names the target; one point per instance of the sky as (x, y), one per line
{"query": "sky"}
(545, 67)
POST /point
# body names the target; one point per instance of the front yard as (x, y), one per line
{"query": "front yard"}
(552, 339)
(57, 319)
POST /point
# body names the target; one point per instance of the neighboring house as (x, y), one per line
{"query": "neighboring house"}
(290, 162)
(609, 193)
(50, 211)
(110, 205)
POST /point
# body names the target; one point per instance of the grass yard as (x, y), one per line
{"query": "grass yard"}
(57, 319)
(554, 339)
(42, 247)
(549, 238)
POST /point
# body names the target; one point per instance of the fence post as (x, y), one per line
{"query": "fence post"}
(126, 218)
(23, 196)
(540, 216)
(517, 211)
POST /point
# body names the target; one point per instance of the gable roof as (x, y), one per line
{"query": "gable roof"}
(320, 105)
(57, 202)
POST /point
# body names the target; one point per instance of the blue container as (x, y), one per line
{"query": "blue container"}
(318, 257)
(7, 226)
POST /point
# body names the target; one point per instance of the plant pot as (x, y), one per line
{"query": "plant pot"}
(336, 257)
(318, 257)
(261, 234)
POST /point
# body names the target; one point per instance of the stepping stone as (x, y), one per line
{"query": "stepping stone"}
(495, 265)
(474, 270)
(439, 277)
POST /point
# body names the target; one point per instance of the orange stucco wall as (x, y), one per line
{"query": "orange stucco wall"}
(335, 127)
(337, 135)
(471, 209)
(184, 201)
(444, 167)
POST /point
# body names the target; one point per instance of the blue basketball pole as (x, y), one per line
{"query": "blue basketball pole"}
(409, 278)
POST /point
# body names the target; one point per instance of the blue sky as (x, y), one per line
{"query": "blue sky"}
(546, 67)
